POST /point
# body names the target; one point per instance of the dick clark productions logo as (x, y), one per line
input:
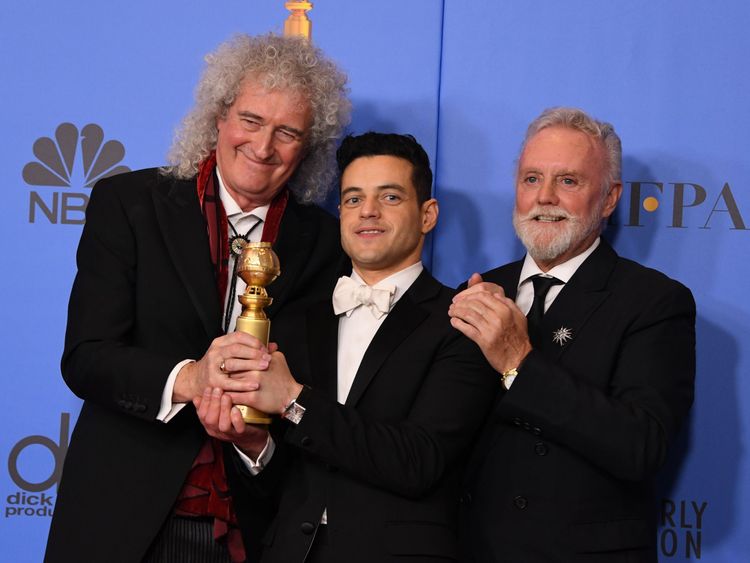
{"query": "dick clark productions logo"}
(31, 498)
(73, 159)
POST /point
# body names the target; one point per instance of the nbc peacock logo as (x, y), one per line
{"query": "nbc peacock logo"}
(73, 159)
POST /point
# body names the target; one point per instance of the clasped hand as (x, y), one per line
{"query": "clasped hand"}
(484, 314)
(252, 375)
(226, 365)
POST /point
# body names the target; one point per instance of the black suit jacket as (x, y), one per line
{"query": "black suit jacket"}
(386, 465)
(563, 469)
(144, 299)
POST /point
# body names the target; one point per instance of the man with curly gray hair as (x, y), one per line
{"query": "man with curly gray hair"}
(270, 63)
(154, 302)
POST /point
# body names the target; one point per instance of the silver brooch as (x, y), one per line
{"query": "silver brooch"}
(562, 335)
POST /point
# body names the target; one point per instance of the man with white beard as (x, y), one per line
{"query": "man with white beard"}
(597, 358)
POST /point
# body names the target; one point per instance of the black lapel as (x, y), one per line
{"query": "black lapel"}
(580, 297)
(293, 246)
(183, 228)
(322, 339)
(403, 319)
(506, 277)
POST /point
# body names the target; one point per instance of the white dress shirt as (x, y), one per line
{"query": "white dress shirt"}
(243, 222)
(358, 326)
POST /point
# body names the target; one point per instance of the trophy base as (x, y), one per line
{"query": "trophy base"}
(253, 416)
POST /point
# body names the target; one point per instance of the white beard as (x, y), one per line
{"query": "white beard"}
(544, 241)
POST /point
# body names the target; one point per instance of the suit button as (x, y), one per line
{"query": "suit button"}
(520, 502)
(517, 421)
(307, 528)
(526, 426)
(540, 448)
(536, 431)
(140, 408)
(128, 405)
(306, 441)
(466, 498)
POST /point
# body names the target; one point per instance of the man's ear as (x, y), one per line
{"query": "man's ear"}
(430, 213)
(611, 199)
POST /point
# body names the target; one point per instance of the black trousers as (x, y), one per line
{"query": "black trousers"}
(187, 540)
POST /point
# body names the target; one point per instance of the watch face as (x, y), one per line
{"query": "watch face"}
(294, 412)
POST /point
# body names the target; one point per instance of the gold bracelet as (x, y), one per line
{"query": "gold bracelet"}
(508, 376)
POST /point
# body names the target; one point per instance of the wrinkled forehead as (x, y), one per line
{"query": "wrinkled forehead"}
(563, 147)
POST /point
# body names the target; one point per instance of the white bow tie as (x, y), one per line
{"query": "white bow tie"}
(350, 294)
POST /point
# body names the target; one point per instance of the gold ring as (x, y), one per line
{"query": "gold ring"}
(222, 367)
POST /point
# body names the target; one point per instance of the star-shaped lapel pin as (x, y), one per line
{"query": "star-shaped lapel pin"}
(562, 335)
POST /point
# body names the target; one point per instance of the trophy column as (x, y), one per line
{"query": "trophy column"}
(258, 266)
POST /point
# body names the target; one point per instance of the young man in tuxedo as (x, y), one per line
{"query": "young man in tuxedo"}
(596, 381)
(382, 405)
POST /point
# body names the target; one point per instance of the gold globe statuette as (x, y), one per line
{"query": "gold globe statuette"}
(258, 266)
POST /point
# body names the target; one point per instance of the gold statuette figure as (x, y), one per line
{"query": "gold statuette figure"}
(258, 266)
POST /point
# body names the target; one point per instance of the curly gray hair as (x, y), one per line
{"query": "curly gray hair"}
(574, 118)
(288, 63)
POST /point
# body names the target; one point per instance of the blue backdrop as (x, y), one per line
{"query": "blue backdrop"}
(108, 83)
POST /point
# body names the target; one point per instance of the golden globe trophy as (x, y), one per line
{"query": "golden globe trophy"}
(298, 24)
(258, 266)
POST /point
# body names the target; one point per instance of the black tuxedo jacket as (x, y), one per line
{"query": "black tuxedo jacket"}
(144, 299)
(563, 470)
(386, 465)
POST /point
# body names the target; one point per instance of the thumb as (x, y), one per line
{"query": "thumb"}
(474, 279)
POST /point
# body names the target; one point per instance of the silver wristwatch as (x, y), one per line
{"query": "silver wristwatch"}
(293, 412)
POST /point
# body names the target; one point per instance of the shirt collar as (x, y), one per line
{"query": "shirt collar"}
(563, 271)
(234, 212)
